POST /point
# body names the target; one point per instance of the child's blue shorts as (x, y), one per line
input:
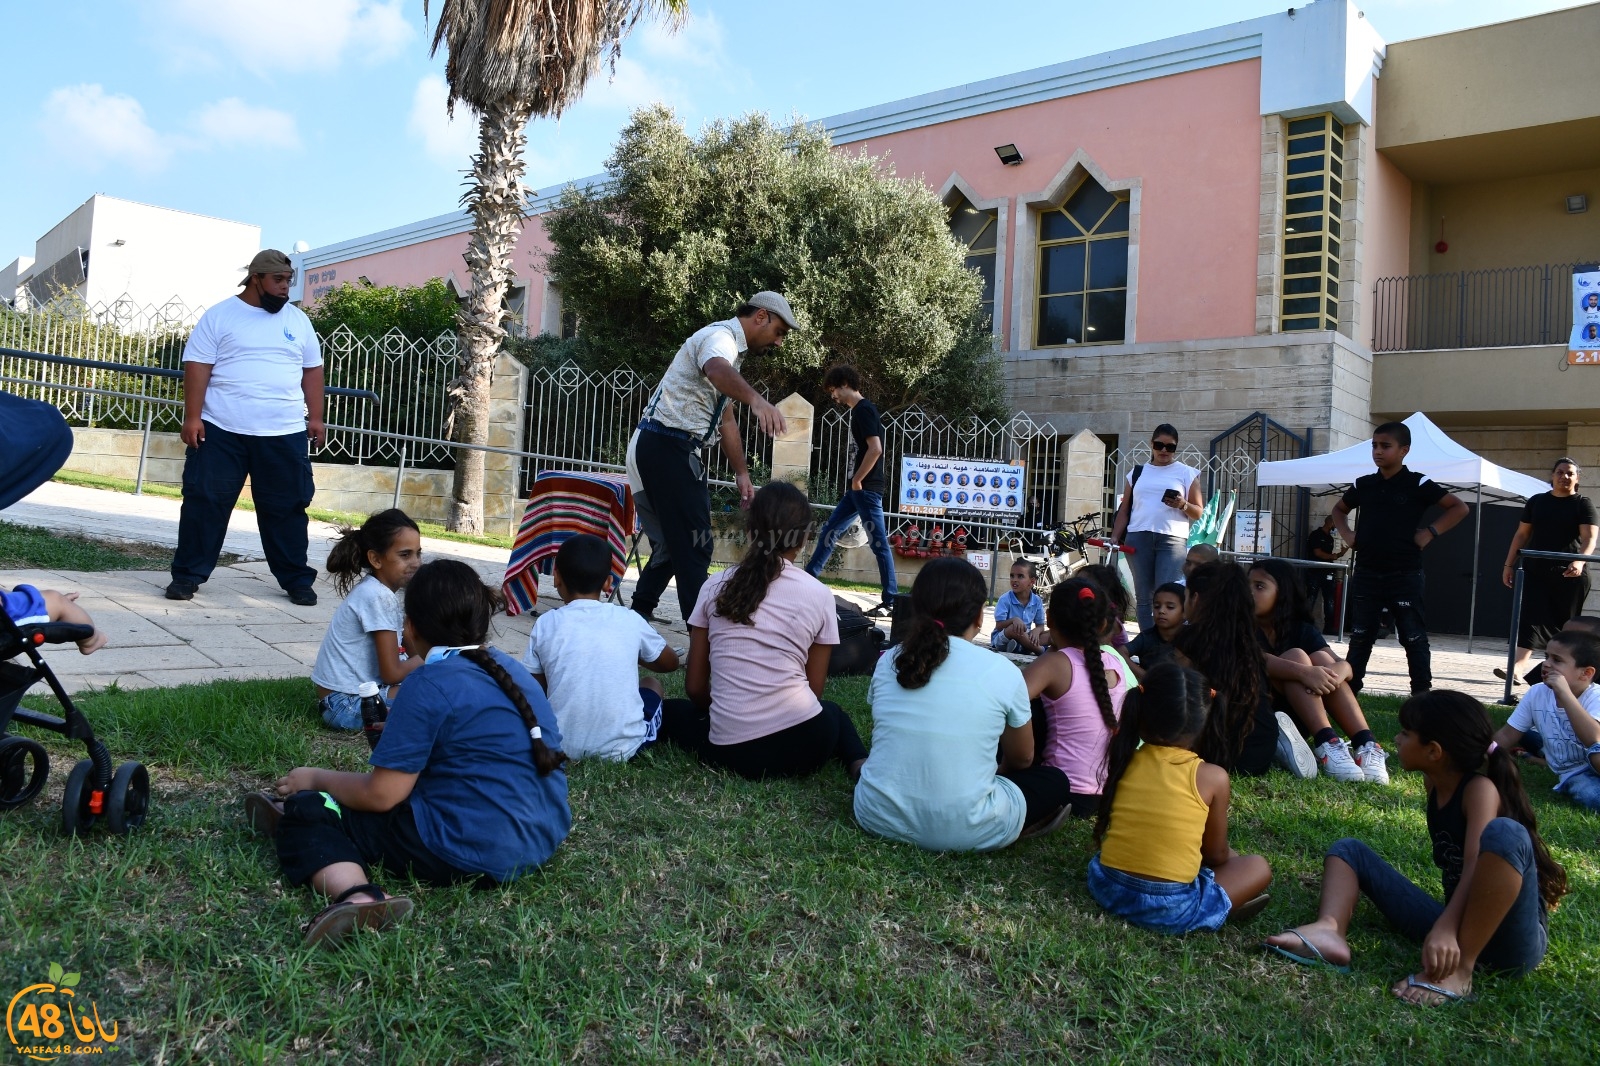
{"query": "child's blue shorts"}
(25, 605)
(1160, 906)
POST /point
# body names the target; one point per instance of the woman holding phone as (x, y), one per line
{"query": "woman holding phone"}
(1161, 498)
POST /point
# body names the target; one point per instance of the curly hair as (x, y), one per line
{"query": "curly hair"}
(1458, 724)
(946, 598)
(1078, 613)
(1220, 641)
(448, 605)
(780, 520)
(347, 560)
(1289, 609)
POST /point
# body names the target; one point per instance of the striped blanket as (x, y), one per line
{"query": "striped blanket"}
(563, 503)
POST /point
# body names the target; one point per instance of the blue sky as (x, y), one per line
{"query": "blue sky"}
(320, 120)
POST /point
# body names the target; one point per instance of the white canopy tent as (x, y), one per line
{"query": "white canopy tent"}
(1432, 453)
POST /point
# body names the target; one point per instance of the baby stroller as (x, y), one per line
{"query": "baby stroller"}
(38, 438)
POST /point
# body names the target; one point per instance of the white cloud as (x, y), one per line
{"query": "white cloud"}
(446, 140)
(288, 35)
(699, 43)
(231, 121)
(93, 127)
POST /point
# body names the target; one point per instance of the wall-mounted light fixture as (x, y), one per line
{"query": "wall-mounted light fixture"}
(1578, 204)
(1008, 154)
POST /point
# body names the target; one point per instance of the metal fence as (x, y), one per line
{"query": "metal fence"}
(410, 376)
(1503, 307)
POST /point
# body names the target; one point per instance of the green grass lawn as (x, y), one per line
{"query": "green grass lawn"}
(30, 548)
(694, 916)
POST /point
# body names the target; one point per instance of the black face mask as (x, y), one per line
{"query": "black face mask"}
(272, 304)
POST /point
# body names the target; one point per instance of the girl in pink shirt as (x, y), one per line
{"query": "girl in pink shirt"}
(1079, 689)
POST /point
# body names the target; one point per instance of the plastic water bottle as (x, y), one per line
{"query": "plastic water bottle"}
(374, 712)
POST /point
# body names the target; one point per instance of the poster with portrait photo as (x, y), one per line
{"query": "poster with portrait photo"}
(1583, 347)
(932, 485)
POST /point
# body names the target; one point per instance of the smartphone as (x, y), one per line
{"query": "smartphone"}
(1169, 494)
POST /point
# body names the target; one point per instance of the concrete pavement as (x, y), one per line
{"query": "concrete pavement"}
(241, 625)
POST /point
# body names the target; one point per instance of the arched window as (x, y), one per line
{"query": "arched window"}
(977, 230)
(1083, 269)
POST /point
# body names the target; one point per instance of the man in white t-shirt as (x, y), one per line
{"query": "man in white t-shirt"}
(252, 400)
(666, 466)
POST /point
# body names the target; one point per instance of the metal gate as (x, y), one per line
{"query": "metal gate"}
(1235, 455)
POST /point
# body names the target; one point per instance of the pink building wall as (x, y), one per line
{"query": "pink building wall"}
(1386, 233)
(1194, 142)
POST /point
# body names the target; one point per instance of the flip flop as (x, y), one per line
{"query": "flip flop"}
(1248, 909)
(1046, 826)
(262, 812)
(1449, 996)
(1314, 959)
(337, 920)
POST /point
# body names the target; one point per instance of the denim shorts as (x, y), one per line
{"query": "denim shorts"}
(1160, 906)
(341, 710)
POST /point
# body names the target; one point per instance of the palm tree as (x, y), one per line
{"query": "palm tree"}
(511, 61)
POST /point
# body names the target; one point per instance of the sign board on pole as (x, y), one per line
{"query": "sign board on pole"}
(1252, 532)
(982, 560)
(933, 486)
(1583, 347)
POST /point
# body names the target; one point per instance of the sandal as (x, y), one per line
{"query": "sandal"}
(1045, 826)
(262, 812)
(1248, 909)
(336, 921)
(1449, 996)
(1314, 959)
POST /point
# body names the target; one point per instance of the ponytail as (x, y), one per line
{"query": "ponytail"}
(780, 520)
(347, 560)
(546, 760)
(1170, 707)
(1461, 727)
(945, 599)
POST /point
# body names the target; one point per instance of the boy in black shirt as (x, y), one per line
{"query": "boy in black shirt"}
(1389, 547)
(864, 495)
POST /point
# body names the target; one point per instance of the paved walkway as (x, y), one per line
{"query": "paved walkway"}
(241, 625)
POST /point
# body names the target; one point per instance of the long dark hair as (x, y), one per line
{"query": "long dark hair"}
(946, 598)
(1289, 610)
(1079, 610)
(1106, 576)
(1171, 706)
(780, 519)
(347, 561)
(1220, 642)
(448, 606)
(1459, 725)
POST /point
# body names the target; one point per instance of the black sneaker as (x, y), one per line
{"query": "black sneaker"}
(181, 590)
(305, 596)
(883, 610)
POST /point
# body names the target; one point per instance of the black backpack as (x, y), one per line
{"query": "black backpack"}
(860, 642)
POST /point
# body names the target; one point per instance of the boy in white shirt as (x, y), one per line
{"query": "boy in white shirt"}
(1565, 709)
(587, 656)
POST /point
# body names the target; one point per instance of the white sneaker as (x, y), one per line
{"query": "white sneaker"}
(1335, 761)
(1374, 762)
(1294, 754)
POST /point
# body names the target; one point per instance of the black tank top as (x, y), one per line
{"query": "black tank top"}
(1447, 826)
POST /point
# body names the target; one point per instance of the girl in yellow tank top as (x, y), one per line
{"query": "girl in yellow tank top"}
(1164, 861)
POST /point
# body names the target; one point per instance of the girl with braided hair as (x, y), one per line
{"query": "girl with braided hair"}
(466, 781)
(1080, 690)
(941, 707)
(760, 638)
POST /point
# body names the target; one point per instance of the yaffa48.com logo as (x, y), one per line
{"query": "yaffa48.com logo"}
(48, 1020)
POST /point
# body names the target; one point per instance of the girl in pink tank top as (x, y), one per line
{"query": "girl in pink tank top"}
(1080, 691)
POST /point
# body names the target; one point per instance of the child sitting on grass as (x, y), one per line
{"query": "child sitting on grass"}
(370, 566)
(1308, 681)
(1154, 646)
(29, 606)
(941, 707)
(1080, 689)
(1019, 625)
(1499, 881)
(1565, 709)
(1164, 861)
(466, 781)
(587, 655)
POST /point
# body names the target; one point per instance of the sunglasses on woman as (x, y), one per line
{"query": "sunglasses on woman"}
(1163, 446)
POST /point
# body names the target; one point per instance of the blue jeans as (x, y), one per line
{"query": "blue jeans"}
(1160, 906)
(1583, 789)
(1157, 559)
(341, 710)
(1520, 942)
(869, 506)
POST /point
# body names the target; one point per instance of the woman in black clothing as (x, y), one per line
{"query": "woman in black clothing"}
(1552, 591)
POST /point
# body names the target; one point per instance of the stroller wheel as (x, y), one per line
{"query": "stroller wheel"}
(76, 817)
(19, 784)
(129, 798)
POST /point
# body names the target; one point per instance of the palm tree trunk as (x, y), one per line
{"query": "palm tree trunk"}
(496, 201)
